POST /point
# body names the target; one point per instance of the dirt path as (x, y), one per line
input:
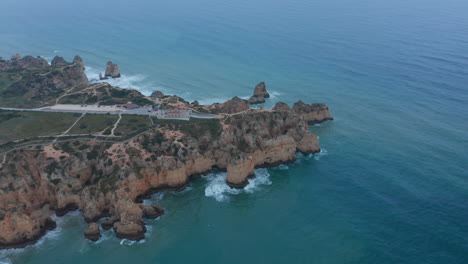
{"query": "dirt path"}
(70, 128)
(151, 119)
(115, 126)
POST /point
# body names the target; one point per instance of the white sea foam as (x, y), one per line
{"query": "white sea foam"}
(7, 254)
(126, 242)
(283, 167)
(220, 191)
(129, 243)
(155, 198)
(323, 152)
(274, 95)
(138, 81)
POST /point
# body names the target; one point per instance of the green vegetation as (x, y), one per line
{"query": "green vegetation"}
(132, 124)
(194, 127)
(93, 123)
(122, 96)
(20, 125)
(28, 88)
(78, 98)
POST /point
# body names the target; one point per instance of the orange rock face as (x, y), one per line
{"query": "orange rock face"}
(113, 182)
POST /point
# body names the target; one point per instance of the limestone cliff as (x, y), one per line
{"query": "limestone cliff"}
(18, 63)
(280, 106)
(235, 105)
(312, 113)
(58, 61)
(104, 179)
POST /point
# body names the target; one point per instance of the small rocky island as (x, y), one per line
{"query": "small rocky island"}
(66, 144)
(112, 70)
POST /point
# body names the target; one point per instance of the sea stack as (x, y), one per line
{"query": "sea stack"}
(112, 70)
(101, 77)
(260, 93)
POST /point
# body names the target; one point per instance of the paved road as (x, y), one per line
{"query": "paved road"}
(104, 110)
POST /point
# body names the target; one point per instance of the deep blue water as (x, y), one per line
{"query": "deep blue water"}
(391, 185)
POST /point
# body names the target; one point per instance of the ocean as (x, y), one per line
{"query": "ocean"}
(391, 182)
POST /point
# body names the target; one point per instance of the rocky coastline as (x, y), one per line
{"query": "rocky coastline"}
(107, 181)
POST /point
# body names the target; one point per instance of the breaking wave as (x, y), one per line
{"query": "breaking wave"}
(274, 94)
(138, 82)
(323, 152)
(220, 191)
(7, 254)
(155, 198)
(129, 243)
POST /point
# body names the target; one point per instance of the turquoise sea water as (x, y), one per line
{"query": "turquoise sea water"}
(391, 185)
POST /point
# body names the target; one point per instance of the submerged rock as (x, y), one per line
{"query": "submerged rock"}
(112, 70)
(92, 232)
(260, 93)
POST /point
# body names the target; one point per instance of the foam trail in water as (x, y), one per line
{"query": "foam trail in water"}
(219, 190)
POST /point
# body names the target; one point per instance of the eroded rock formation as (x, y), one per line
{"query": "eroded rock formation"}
(235, 105)
(312, 113)
(92, 232)
(18, 63)
(42, 80)
(112, 70)
(58, 61)
(280, 106)
(260, 93)
(108, 179)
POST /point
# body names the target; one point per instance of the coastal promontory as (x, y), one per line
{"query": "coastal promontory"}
(67, 144)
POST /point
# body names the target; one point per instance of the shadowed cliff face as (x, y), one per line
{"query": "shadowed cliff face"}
(107, 179)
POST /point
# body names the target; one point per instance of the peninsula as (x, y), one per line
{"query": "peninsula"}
(68, 144)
